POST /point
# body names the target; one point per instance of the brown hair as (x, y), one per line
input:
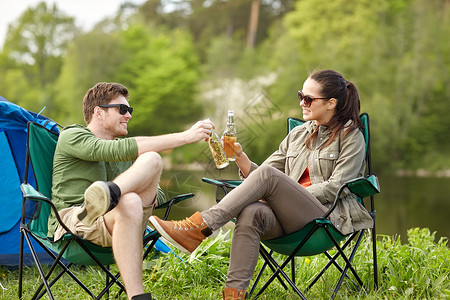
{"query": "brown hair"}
(334, 85)
(100, 94)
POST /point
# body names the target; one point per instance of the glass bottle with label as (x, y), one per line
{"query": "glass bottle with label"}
(215, 145)
(229, 137)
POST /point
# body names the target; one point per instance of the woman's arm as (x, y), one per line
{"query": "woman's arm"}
(242, 161)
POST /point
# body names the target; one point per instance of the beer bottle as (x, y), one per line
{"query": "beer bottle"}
(229, 137)
(215, 145)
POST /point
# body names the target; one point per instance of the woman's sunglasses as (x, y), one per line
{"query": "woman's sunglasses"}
(307, 99)
(123, 109)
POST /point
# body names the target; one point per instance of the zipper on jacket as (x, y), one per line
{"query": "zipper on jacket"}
(314, 154)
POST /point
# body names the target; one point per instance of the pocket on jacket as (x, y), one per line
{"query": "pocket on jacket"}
(291, 158)
(327, 162)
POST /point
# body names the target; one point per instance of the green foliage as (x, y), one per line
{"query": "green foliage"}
(416, 270)
(83, 69)
(173, 54)
(32, 55)
(162, 73)
(392, 50)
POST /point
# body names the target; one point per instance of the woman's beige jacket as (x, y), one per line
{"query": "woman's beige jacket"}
(329, 168)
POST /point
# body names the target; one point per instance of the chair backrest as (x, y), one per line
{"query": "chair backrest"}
(41, 144)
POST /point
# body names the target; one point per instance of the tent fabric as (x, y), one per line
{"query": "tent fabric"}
(13, 137)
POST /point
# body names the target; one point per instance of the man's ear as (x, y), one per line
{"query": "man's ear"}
(98, 113)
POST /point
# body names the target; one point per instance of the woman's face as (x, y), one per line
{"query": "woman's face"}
(321, 110)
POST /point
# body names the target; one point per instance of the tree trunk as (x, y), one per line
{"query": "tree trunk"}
(253, 24)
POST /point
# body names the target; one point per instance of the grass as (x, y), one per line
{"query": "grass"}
(418, 269)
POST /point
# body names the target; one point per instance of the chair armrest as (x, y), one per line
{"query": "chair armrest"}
(361, 186)
(364, 186)
(174, 200)
(223, 183)
(29, 192)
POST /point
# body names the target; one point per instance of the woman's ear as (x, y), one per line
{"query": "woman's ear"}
(332, 103)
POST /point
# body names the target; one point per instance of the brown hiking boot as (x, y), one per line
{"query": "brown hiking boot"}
(186, 235)
(233, 294)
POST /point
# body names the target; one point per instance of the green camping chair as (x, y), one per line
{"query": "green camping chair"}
(71, 249)
(318, 236)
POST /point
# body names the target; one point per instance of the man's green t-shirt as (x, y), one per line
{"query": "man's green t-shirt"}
(80, 159)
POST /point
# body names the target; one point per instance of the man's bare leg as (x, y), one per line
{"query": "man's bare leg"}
(138, 187)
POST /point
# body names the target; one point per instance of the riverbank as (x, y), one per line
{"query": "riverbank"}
(423, 173)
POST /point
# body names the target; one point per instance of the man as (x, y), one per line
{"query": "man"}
(100, 194)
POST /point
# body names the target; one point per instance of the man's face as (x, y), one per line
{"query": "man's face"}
(114, 123)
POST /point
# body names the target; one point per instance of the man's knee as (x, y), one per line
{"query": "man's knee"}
(130, 207)
(151, 160)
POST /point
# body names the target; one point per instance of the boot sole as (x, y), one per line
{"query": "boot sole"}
(167, 236)
(96, 203)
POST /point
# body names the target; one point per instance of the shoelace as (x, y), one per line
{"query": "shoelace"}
(186, 223)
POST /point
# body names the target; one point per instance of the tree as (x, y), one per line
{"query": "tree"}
(83, 69)
(247, 21)
(162, 72)
(393, 50)
(38, 40)
(253, 24)
(33, 51)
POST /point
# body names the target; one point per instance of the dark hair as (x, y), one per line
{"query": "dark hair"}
(334, 85)
(101, 93)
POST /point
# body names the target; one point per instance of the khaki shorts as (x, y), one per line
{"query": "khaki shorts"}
(97, 233)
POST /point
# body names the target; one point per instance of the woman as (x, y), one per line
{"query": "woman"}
(295, 185)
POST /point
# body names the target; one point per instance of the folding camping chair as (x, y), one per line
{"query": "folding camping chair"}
(71, 249)
(318, 236)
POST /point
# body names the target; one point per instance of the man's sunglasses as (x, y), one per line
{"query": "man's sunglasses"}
(307, 99)
(123, 109)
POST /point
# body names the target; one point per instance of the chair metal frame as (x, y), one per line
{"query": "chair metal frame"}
(69, 239)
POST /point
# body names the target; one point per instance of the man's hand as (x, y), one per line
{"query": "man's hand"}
(198, 131)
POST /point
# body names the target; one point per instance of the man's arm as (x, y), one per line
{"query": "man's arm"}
(199, 131)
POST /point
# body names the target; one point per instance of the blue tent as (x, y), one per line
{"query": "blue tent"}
(13, 137)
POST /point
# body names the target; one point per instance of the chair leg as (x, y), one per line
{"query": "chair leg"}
(21, 264)
(257, 279)
(293, 269)
(279, 270)
(375, 264)
(66, 269)
(38, 265)
(332, 261)
(107, 283)
(347, 261)
(272, 267)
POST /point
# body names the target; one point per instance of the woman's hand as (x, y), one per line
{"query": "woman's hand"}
(242, 160)
(237, 149)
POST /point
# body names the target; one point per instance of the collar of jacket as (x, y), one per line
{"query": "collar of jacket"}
(323, 129)
(311, 126)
